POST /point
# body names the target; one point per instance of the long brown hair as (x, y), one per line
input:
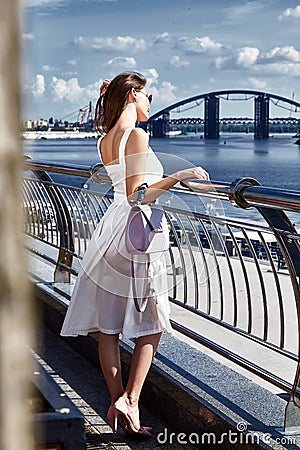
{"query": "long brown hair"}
(110, 106)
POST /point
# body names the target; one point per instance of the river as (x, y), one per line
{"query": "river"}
(274, 162)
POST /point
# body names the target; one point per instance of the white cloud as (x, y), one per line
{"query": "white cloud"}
(72, 62)
(278, 61)
(71, 91)
(38, 88)
(255, 83)
(290, 69)
(69, 74)
(152, 76)
(238, 11)
(177, 62)
(247, 56)
(66, 90)
(287, 53)
(164, 94)
(243, 57)
(290, 12)
(197, 45)
(119, 61)
(163, 38)
(63, 90)
(28, 36)
(41, 3)
(48, 68)
(111, 44)
(221, 62)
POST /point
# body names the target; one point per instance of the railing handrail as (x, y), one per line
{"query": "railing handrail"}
(80, 170)
(244, 192)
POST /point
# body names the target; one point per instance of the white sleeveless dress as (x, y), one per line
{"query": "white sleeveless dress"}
(102, 297)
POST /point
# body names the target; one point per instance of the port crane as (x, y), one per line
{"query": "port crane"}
(86, 115)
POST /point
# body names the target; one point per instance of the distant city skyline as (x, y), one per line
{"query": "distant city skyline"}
(184, 48)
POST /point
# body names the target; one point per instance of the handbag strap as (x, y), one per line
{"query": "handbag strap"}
(147, 220)
(140, 307)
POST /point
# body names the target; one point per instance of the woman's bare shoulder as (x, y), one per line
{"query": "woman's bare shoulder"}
(137, 142)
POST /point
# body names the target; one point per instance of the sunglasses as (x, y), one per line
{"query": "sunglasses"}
(149, 96)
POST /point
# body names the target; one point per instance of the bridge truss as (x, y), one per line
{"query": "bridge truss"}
(159, 123)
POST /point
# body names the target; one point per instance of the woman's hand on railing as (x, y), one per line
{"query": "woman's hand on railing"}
(193, 173)
(186, 176)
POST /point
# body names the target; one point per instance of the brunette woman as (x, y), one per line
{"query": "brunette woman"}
(102, 297)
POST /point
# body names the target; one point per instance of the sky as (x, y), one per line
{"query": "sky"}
(183, 47)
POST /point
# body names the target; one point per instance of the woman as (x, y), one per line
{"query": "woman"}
(102, 299)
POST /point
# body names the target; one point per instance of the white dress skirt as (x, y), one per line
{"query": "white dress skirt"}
(102, 298)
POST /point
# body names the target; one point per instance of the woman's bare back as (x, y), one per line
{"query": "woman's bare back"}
(110, 146)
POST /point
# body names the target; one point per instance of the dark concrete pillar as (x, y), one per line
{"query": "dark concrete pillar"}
(261, 117)
(160, 126)
(211, 115)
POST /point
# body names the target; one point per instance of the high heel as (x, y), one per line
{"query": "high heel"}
(112, 416)
(126, 415)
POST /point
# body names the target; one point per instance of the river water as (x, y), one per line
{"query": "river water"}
(274, 162)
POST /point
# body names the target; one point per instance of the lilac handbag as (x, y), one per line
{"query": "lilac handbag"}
(146, 232)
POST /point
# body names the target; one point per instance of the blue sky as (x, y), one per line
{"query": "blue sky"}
(184, 47)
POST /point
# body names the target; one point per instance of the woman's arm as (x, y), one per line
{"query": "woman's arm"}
(136, 155)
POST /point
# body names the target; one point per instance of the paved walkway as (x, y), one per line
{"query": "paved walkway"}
(85, 386)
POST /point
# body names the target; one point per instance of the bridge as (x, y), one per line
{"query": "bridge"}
(234, 121)
(159, 123)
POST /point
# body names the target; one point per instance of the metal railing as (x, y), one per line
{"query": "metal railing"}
(239, 276)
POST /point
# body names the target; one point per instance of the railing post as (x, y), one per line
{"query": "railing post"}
(282, 228)
(65, 228)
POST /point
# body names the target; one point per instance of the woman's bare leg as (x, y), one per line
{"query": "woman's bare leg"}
(109, 355)
(142, 357)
